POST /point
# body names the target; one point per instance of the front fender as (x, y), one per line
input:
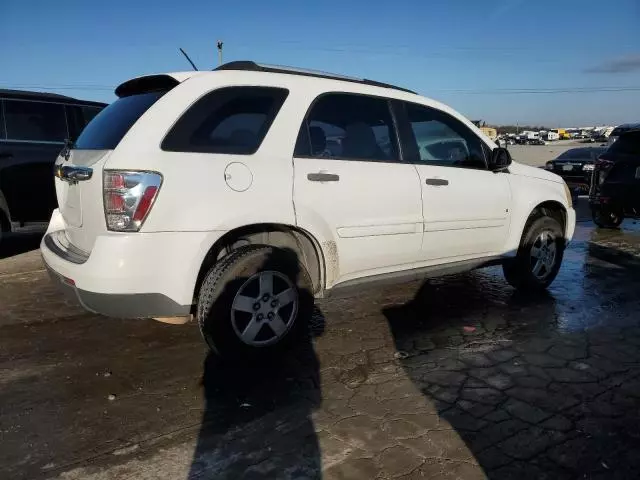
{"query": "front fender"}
(527, 196)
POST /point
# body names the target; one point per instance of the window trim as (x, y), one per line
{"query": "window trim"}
(266, 127)
(416, 160)
(394, 124)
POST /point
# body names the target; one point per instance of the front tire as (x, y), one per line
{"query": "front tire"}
(254, 302)
(607, 218)
(539, 256)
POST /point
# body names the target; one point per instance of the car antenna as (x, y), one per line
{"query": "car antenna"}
(188, 59)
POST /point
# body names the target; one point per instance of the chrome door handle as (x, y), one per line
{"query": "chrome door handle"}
(73, 174)
(323, 177)
(437, 182)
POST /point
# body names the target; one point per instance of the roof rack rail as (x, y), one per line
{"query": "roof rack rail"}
(250, 66)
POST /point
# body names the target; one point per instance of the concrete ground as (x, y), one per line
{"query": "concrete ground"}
(539, 155)
(459, 377)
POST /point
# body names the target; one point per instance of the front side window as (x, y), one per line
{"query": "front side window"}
(35, 121)
(232, 120)
(350, 127)
(443, 140)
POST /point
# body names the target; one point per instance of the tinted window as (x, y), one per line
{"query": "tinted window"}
(352, 127)
(231, 120)
(107, 128)
(78, 117)
(89, 112)
(35, 121)
(443, 140)
(3, 133)
(627, 144)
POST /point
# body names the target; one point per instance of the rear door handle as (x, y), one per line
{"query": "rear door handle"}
(6, 155)
(323, 177)
(438, 182)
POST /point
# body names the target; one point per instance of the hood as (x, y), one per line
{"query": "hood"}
(534, 172)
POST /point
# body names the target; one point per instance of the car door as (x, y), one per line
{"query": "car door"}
(465, 206)
(351, 186)
(35, 133)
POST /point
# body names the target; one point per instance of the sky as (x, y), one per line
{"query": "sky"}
(556, 63)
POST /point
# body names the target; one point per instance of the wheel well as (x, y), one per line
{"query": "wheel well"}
(277, 235)
(551, 209)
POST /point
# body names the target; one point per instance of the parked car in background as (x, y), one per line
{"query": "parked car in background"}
(575, 166)
(33, 130)
(615, 186)
(168, 206)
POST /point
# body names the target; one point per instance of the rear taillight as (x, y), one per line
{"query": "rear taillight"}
(603, 167)
(128, 198)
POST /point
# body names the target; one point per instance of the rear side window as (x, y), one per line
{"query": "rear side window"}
(232, 120)
(35, 121)
(108, 127)
(350, 127)
(627, 144)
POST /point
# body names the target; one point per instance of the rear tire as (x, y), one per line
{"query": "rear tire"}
(607, 218)
(254, 302)
(539, 256)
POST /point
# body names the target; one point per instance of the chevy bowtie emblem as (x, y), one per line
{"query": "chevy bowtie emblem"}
(58, 171)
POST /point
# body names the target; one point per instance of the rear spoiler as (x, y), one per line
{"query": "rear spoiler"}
(150, 83)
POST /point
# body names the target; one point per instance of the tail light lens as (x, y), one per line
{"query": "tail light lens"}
(128, 198)
(603, 167)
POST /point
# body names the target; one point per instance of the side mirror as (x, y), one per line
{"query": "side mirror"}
(500, 159)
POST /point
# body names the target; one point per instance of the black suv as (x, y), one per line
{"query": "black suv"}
(33, 129)
(615, 185)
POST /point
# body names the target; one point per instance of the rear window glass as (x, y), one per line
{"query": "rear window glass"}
(35, 121)
(232, 120)
(628, 144)
(108, 127)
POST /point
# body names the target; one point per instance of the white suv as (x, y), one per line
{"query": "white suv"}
(241, 194)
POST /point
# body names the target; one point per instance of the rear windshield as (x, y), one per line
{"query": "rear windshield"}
(628, 144)
(107, 128)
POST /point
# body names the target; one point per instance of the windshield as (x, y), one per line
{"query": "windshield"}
(107, 128)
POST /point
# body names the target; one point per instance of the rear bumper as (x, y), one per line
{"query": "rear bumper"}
(128, 275)
(135, 305)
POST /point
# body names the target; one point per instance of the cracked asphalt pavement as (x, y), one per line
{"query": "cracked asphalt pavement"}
(457, 377)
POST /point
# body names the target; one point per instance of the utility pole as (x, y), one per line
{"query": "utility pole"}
(220, 43)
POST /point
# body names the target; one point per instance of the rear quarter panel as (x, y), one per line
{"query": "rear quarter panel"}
(195, 195)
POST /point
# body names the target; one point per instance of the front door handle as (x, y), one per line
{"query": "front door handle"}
(323, 177)
(438, 182)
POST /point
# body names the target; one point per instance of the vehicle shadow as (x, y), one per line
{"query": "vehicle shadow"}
(257, 419)
(528, 396)
(13, 244)
(446, 336)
